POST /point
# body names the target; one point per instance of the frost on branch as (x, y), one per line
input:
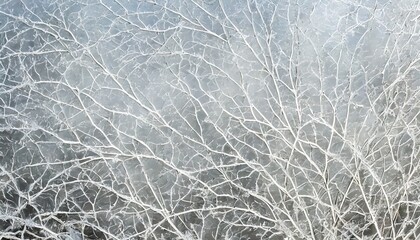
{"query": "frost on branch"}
(209, 119)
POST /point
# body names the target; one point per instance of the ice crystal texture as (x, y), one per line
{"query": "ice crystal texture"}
(209, 119)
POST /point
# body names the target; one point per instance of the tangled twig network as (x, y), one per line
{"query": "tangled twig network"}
(204, 119)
